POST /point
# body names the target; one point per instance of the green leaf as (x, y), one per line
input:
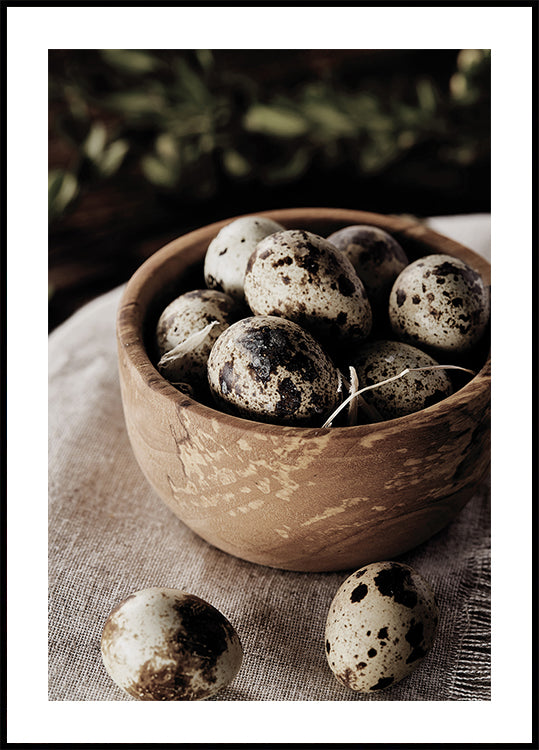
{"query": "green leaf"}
(468, 59)
(185, 121)
(63, 188)
(426, 95)
(458, 85)
(78, 107)
(329, 120)
(205, 58)
(276, 121)
(406, 139)
(56, 177)
(409, 117)
(189, 84)
(236, 164)
(206, 143)
(131, 61)
(380, 125)
(378, 153)
(363, 104)
(166, 146)
(465, 154)
(112, 158)
(136, 103)
(159, 172)
(95, 142)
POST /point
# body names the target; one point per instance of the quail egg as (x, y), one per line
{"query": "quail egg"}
(440, 302)
(380, 626)
(269, 369)
(161, 644)
(187, 330)
(302, 277)
(228, 253)
(380, 360)
(376, 256)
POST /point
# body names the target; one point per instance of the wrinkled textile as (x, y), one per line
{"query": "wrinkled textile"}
(110, 535)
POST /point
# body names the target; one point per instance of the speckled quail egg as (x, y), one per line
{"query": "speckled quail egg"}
(271, 370)
(302, 277)
(187, 330)
(376, 256)
(227, 254)
(161, 644)
(379, 360)
(380, 626)
(440, 302)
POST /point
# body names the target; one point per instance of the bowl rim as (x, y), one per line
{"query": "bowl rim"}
(130, 320)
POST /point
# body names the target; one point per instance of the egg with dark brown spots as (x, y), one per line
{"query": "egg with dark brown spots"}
(440, 302)
(162, 644)
(376, 256)
(270, 369)
(186, 331)
(382, 360)
(301, 276)
(228, 253)
(380, 626)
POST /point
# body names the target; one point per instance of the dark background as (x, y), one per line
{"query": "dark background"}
(145, 145)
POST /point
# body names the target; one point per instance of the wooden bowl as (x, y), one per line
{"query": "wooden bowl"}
(298, 498)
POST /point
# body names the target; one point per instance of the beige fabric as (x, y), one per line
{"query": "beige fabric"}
(110, 535)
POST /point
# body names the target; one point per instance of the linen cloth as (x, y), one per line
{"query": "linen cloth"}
(110, 535)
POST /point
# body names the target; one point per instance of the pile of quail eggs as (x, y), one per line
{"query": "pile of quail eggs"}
(291, 323)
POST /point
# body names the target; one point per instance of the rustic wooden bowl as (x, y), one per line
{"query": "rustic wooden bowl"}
(296, 498)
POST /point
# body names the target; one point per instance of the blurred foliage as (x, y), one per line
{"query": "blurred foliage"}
(191, 127)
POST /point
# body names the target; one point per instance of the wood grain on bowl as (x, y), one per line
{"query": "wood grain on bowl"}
(298, 498)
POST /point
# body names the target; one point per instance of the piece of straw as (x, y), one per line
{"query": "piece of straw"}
(353, 404)
(352, 395)
(368, 409)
